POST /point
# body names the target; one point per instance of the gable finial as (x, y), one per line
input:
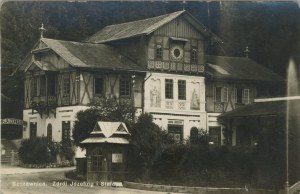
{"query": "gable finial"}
(247, 51)
(183, 5)
(42, 29)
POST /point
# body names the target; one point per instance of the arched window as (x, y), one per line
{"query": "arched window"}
(194, 56)
(49, 132)
(159, 52)
(194, 135)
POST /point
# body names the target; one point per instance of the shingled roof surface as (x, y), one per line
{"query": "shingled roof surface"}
(91, 55)
(221, 67)
(263, 109)
(130, 29)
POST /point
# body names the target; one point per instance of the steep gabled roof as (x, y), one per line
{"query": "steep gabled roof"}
(108, 132)
(232, 68)
(110, 128)
(91, 55)
(142, 27)
(83, 55)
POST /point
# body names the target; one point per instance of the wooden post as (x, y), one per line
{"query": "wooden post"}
(12, 159)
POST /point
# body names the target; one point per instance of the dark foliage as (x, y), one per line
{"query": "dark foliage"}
(195, 165)
(260, 166)
(109, 109)
(37, 151)
(147, 141)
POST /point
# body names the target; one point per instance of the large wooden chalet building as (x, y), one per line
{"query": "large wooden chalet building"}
(164, 56)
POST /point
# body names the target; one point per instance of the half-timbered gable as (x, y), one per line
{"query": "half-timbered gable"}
(231, 83)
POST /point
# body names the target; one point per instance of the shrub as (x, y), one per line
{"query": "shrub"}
(37, 151)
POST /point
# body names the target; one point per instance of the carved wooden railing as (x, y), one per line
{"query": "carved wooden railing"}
(43, 104)
(219, 106)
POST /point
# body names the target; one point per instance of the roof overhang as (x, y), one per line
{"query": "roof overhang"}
(265, 108)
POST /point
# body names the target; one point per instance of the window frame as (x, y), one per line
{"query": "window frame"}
(181, 89)
(125, 88)
(102, 86)
(158, 51)
(34, 87)
(169, 89)
(194, 55)
(66, 85)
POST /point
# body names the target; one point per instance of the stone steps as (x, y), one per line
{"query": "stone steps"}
(6, 151)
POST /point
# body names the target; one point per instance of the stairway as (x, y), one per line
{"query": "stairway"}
(6, 148)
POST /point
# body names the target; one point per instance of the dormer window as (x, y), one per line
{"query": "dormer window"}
(159, 52)
(194, 56)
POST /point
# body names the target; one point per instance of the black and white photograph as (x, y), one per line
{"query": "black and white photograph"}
(132, 97)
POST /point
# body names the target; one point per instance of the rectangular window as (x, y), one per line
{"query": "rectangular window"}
(66, 136)
(176, 132)
(181, 89)
(158, 52)
(66, 85)
(33, 130)
(225, 95)
(194, 56)
(98, 86)
(215, 135)
(169, 89)
(245, 96)
(51, 85)
(217, 94)
(42, 86)
(96, 161)
(239, 95)
(34, 87)
(125, 87)
(242, 96)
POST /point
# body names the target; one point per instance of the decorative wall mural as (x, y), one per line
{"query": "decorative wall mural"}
(155, 93)
(195, 97)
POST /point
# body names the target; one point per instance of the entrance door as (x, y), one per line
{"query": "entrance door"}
(215, 135)
(66, 127)
(32, 130)
(49, 132)
(176, 131)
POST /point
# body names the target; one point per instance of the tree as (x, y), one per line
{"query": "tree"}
(147, 142)
(106, 109)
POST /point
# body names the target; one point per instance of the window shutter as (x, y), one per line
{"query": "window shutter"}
(224, 94)
(214, 94)
(235, 95)
(245, 96)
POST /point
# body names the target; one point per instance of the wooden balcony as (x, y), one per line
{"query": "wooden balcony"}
(43, 100)
(219, 107)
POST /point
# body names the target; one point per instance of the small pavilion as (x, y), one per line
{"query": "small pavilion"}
(106, 150)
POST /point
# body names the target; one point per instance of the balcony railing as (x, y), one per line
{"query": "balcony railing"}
(42, 100)
(219, 106)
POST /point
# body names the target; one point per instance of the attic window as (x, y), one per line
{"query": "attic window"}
(158, 53)
(38, 57)
(194, 56)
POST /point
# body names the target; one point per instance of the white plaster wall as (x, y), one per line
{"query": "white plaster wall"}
(162, 114)
(213, 122)
(62, 114)
(189, 121)
(192, 83)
